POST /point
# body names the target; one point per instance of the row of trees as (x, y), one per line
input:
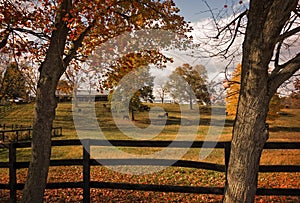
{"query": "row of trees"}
(185, 84)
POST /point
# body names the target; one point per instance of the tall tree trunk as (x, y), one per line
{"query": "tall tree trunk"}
(265, 22)
(41, 137)
(50, 72)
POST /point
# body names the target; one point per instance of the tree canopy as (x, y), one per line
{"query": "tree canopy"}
(188, 84)
(131, 84)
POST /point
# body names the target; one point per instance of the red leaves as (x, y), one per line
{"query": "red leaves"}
(47, 30)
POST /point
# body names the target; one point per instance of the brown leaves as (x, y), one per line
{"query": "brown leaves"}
(172, 175)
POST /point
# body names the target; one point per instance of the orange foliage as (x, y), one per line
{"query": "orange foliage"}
(233, 96)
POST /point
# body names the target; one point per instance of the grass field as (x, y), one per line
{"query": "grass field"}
(284, 128)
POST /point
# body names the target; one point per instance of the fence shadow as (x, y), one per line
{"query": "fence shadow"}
(86, 184)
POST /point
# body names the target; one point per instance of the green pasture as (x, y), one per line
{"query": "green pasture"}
(181, 124)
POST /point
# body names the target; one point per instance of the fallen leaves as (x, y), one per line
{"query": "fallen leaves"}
(171, 175)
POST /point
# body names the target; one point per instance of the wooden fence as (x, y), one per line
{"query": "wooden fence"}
(12, 126)
(14, 133)
(87, 162)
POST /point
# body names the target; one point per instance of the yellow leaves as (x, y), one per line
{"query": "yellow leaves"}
(233, 89)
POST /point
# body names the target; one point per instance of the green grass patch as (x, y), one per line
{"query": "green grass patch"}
(194, 126)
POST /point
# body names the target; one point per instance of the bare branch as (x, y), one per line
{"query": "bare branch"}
(239, 18)
(234, 35)
(288, 34)
(212, 14)
(277, 55)
(287, 70)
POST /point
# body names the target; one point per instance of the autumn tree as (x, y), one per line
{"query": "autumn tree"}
(233, 90)
(136, 66)
(58, 33)
(270, 29)
(13, 83)
(161, 90)
(188, 84)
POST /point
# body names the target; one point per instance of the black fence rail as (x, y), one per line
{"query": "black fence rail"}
(13, 126)
(23, 133)
(86, 184)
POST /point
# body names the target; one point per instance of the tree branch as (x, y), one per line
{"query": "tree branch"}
(287, 70)
(38, 35)
(234, 35)
(239, 17)
(5, 38)
(76, 44)
(213, 16)
(288, 34)
(277, 56)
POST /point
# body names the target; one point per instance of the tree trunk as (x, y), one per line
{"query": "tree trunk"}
(50, 72)
(265, 22)
(132, 115)
(191, 102)
(41, 138)
(250, 135)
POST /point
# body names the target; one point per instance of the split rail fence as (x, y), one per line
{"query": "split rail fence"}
(86, 184)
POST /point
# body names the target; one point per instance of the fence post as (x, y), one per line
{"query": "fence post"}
(17, 135)
(86, 170)
(12, 173)
(227, 156)
(3, 136)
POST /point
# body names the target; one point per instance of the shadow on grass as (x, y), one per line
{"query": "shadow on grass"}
(286, 129)
(186, 122)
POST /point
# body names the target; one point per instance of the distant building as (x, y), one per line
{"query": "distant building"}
(84, 95)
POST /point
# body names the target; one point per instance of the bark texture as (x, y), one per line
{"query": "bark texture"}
(265, 22)
(50, 72)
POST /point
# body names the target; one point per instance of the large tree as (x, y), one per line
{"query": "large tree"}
(269, 26)
(56, 34)
(129, 81)
(188, 84)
